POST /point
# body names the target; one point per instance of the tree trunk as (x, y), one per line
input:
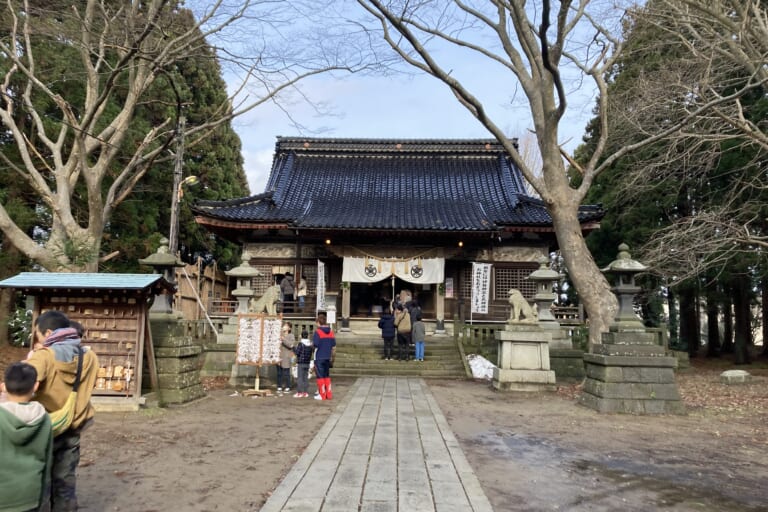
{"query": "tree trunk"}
(594, 291)
(674, 337)
(7, 296)
(742, 314)
(11, 261)
(727, 345)
(764, 314)
(713, 320)
(689, 332)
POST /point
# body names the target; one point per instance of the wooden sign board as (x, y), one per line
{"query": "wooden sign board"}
(115, 330)
(258, 339)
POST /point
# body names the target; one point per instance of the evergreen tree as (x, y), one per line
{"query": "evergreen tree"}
(654, 198)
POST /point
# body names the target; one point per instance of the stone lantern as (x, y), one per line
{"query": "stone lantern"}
(163, 262)
(244, 291)
(629, 372)
(545, 278)
(624, 268)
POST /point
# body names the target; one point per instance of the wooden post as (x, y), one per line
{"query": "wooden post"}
(151, 362)
(256, 391)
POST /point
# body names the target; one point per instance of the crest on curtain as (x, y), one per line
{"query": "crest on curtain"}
(370, 269)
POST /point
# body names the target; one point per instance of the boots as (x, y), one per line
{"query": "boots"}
(320, 389)
(324, 388)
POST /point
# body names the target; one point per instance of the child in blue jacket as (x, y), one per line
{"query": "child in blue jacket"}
(388, 332)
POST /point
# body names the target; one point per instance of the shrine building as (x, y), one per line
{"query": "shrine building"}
(375, 217)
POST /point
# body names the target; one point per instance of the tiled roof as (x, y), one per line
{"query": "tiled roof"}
(444, 185)
(71, 280)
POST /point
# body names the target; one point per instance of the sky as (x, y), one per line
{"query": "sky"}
(404, 107)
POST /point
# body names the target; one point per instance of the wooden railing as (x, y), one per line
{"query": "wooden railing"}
(220, 307)
(569, 315)
(498, 311)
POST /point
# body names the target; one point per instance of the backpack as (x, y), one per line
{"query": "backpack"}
(403, 322)
(61, 419)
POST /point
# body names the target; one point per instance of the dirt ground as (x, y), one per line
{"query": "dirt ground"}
(531, 452)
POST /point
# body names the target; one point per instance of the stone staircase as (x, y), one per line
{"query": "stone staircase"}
(359, 354)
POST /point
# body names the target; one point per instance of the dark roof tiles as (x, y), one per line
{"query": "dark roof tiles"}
(467, 185)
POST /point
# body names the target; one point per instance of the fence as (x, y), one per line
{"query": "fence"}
(481, 337)
(208, 283)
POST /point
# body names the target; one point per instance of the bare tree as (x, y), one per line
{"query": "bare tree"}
(539, 46)
(719, 158)
(71, 145)
(728, 36)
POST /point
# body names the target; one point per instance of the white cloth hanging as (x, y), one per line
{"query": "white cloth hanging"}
(417, 270)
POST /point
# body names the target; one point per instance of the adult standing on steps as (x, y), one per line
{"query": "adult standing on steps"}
(388, 332)
(324, 342)
(301, 292)
(403, 324)
(288, 287)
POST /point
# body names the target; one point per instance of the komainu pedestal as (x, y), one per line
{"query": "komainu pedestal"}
(523, 363)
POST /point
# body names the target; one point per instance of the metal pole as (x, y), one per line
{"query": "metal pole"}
(173, 238)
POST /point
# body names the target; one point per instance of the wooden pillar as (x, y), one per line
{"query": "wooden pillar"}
(440, 299)
(345, 307)
(440, 312)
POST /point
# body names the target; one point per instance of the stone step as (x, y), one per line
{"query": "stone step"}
(427, 363)
(404, 372)
(379, 343)
(365, 349)
(359, 354)
(377, 358)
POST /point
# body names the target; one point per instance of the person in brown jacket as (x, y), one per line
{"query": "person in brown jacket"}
(403, 325)
(56, 365)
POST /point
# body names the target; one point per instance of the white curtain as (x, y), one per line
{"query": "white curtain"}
(371, 270)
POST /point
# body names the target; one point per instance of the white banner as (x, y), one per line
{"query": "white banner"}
(481, 287)
(320, 286)
(371, 270)
(258, 339)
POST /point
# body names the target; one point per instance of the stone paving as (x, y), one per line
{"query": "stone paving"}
(387, 447)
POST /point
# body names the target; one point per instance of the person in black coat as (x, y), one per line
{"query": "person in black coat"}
(388, 332)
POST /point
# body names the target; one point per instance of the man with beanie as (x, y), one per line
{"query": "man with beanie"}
(325, 344)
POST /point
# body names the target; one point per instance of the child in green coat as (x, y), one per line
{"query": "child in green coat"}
(26, 443)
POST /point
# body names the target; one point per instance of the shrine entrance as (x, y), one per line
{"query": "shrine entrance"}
(374, 280)
(368, 300)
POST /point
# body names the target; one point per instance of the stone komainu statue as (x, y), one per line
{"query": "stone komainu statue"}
(520, 308)
(266, 302)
